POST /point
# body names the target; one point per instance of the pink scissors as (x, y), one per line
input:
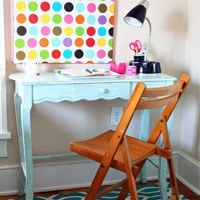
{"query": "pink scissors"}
(136, 46)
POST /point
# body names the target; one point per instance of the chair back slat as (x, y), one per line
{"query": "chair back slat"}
(156, 103)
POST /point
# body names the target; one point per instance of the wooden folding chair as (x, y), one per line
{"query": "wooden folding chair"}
(128, 154)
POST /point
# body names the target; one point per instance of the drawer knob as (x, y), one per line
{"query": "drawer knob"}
(104, 90)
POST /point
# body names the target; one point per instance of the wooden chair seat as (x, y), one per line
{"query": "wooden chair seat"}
(95, 149)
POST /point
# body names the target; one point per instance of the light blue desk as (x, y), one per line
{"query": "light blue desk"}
(47, 86)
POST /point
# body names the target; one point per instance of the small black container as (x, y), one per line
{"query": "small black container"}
(139, 58)
(153, 67)
(138, 62)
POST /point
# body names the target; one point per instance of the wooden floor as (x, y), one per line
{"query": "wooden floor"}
(182, 189)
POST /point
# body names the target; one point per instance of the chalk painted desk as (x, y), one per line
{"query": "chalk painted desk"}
(50, 87)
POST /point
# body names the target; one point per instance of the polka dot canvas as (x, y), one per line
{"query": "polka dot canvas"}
(55, 31)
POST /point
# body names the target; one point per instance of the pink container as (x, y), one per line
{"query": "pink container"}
(119, 68)
(131, 70)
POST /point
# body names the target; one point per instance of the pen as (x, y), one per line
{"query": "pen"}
(89, 71)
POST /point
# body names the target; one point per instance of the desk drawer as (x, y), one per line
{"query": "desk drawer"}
(159, 83)
(83, 91)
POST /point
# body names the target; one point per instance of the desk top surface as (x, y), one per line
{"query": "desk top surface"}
(53, 78)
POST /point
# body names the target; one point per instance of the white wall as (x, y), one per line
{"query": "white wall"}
(175, 43)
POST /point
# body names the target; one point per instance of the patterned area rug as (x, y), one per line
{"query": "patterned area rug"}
(145, 192)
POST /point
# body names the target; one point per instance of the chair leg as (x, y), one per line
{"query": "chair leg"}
(124, 192)
(97, 182)
(173, 179)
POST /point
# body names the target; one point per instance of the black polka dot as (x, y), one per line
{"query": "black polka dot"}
(69, 7)
(111, 31)
(78, 53)
(21, 30)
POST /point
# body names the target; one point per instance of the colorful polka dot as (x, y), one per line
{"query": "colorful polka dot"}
(45, 6)
(79, 42)
(68, 32)
(33, 31)
(21, 6)
(56, 53)
(80, 19)
(33, 6)
(91, 31)
(67, 54)
(57, 19)
(45, 18)
(45, 30)
(32, 55)
(44, 42)
(21, 18)
(33, 18)
(91, 7)
(68, 19)
(55, 42)
(19, 43)
(79, 30)
(57, 6)
(90, 42)
(67, 42)
(69, 7)
(80, 7)
(32, 42)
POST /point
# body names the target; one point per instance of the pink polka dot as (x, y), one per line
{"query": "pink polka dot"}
(68, 19)
(45, 30)
(101, 53)
(32, 42)
(91, 7)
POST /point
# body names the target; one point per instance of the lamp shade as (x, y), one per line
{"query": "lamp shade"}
(137, 15)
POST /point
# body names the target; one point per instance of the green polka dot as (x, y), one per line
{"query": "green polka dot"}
(79, 31)
(44, 54)
(110, 42)
(19, 43)
(57, 19)
(33, 6)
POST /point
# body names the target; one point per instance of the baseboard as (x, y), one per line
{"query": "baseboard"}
(188, 170)
(62, 175)
(4, 137)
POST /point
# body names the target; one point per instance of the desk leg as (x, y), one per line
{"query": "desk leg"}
(25, 146)
(144, 134)
(162, 165)
(17, 101)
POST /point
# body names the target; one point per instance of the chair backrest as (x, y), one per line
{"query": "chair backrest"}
(148, 98)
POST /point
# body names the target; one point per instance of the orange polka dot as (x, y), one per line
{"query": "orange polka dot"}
(44, 42)
(80, 19)
(111, 20)
(21, 18)
(79, 42)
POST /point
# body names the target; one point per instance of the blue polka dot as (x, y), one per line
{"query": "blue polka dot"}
(33, 30)
(90, 53)
(55, 42)
(102, 31)
(80, 7)
(67, 54)
(91, 19)
(57, 6)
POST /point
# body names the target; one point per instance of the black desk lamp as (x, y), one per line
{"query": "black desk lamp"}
(136, 17)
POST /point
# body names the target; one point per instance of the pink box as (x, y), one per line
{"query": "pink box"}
(131, 70)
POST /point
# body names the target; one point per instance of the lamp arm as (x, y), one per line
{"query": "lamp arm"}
(149, 38)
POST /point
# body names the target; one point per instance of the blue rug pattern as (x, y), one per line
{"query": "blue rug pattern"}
(145, 192)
